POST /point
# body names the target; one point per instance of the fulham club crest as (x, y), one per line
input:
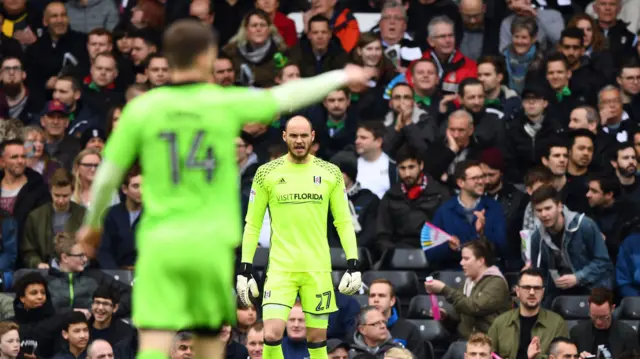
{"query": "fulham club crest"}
(317, 180)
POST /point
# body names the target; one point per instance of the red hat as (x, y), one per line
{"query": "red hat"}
(493, 158)
(57, 107)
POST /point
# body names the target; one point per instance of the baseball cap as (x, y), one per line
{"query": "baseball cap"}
(533, 91)
(333, 344)
(55, 106)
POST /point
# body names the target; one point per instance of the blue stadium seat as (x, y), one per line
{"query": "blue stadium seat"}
(405, 283)
(629, 308)
(635, 324)
(261, 258)
(454, 279)
(406, 259)
(420, 307)
(123, 276)
(339, 259)
(571, 306)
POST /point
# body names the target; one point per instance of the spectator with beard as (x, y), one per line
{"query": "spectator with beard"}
(223, 71)
(586, 117)
(615, 217)
(581, 147)
(512, 200)
(21, 105)
(497, 97)
(625, 163)
(68, 90)
(408, 204)
(468, 216)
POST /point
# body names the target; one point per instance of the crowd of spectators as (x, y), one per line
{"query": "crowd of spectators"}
(513, 126)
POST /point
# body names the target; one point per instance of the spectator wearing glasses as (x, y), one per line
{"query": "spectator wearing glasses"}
(603, 333)
(102, 324)
(629, 81)
(84, 170)
(73, 286)
(372, 335)
(527, 331)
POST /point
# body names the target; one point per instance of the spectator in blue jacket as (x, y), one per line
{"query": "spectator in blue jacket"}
(294, 344)
(628, 266)
(9, 249)
(468, 216)
(568, 247)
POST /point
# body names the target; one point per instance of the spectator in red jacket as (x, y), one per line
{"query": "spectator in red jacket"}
(286, 27)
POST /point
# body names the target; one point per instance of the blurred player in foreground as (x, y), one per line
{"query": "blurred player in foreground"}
(299, 189)
(184, 136)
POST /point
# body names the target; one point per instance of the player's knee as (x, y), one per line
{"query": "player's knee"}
(273, 330)
(272, 336)
(316, 335)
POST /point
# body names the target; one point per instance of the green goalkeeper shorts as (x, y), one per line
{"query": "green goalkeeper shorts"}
(180, 287)
(314, 288)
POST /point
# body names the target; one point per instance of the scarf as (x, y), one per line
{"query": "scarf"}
(565, 92)
(335, 127)
(532, 128)
(517, 66)
(415, 191)
(255, 55)
(493, 102)
(426, 100)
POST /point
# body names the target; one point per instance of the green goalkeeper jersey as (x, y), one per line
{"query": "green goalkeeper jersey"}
(184, 138)
(298, 197)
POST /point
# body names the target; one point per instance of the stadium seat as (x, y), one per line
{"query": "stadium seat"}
(571, 306)
(21, 272)
(571, 324)
(454, 279)
(363, 299)
(635, 324)
(406, 259)
(512, 280)
(336, 275)
(428, 350)
(405, 283)
(420, 307)
(339, 259)
(431, 330)
(123, 276)
(261, 258)
(629, 308)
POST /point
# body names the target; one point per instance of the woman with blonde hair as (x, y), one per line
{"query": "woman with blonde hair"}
(594, 40)
(37, 158)
(84, 171)
(9, 340)
(256, 50)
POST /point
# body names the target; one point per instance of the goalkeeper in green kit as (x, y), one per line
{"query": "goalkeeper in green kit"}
(299, 189)
(184, 136)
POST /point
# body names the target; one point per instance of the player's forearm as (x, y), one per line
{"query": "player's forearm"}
(107, 179)
(298, 94)
(347, 238)
(249, 242)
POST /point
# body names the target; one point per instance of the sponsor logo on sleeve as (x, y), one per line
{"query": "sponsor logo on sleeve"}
(252, 195)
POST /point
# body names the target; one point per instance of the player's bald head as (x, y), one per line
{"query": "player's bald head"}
(298, 124)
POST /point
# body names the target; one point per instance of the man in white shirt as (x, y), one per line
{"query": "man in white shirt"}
(376, 171)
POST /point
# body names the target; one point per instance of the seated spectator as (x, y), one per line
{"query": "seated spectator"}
(35, 315)
(523, 55)
(43, 223)
(59, 144)
(484, 296)
(581, 147)
(624, 161)
(223, 72)
(143, 45)
(68, 90)
(93, 138)
(100, 90)
(99, 349)
(157, 70)
(318, 52)
(392, 30)
(406, 122)
(21, 189)
(620, 40)
(233, 350)
(9, 340)
(118, 247)
(627, 78)
(603, 333)
(558, 74)
(343, 322)
(478, 346)
(527, 331)
(337, 349)
(343, 24)
(570, 246)
(409, 204)
(376, 171)
(468, 216)
(613, 119)
(246, 317)
(335, 122)
(37, 158)
(13, 77)
(255, 340)
(84, 170)
(396, 353)
(382, 296)
(182, 346)
(363, 204)
(426, 85)
(286, 27)
(372, 335)
(535, 178)
(75, 331)
(73, 286)
(498, 98)
(548, 20)
(294, 343)
(254, 52)
(586, 117)
(102, 324)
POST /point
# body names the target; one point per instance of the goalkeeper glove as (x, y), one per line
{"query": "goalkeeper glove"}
(351, 280)
(246, 285)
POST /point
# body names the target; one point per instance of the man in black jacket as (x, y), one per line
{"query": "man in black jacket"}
(102, 324)
(620, 40)
(21, 105)
(409, 204)
(382, 295)
(565, 99)
(603, 333)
